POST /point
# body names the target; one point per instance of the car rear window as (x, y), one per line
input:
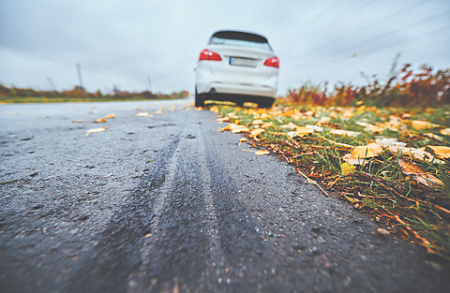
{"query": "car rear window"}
(234, 38)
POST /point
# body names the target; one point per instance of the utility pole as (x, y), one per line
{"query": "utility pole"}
(80, 79)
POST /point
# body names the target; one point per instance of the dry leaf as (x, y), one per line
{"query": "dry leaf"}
(95, 130)
(257, 122)
(242, 140)
(441, 152)
(419, 125)
(143, 114)
(386, 142)
(262, 152)
(383, 232)
(255, 132)
(445, 131)
(235, 128)
(99, 120)
(409, 168)
(159, 112)
(111, 116)
(345, 132)
(353, 161)
(77, 121)
(368, 151)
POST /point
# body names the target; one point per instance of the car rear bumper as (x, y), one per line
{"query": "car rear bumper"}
(237, 88)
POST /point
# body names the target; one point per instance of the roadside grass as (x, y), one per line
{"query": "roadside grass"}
(390, 162)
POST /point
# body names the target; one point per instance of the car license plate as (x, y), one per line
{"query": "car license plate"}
(246, 62)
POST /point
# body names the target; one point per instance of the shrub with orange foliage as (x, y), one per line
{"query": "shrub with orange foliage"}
(403, 89)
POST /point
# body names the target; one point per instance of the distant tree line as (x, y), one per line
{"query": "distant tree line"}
(80, 92)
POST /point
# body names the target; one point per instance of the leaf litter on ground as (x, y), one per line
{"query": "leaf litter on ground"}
(390, 162)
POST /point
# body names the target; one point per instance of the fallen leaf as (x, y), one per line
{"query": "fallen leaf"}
(235, 128)
(419, 125)
(242, 140)
(441, 152)
(348, 158)
(323, 120)
(347, 168)
(383, 231)
(368, 151)
(159, 112)
(386, 142)
(262, 152)
(445, 131)
(77, 121)
(95, 130)
(409, 168)
(345, 132)
(255, 132)
(111, 116)
(434, 136)
(257, 122)
(143, 114)
(99, 120)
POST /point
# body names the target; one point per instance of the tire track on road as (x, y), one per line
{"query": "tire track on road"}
(106, 267)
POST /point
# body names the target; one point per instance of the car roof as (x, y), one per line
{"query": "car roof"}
(240, 35)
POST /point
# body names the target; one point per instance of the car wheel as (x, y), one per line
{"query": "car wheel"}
(266, 102)
(199, 101)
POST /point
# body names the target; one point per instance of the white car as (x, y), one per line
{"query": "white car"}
(239, 67)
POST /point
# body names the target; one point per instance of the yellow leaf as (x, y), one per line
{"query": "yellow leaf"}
(359, 103)
(242, 140)
(346, 168)
(262, 152)
(441, 152)
(419, 125)
(445, 131)
(256, 132)
(235, 128)
(214, 109)
(368, 151)
(301, 131)
(361, 109)
(159, 112)
(111, 116)
(99, 120)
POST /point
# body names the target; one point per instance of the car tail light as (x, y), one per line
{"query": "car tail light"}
(274, 62)
(209, 55)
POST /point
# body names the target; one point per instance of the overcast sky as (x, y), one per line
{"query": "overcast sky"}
(131, 42)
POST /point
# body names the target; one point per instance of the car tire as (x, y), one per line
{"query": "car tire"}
(266, 102)
(199, 100)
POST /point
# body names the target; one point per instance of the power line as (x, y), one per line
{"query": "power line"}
(399, 12)
(372, 40)
(314, 33)
(321, 65)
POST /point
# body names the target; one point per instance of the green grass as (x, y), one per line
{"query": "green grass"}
(378, 187)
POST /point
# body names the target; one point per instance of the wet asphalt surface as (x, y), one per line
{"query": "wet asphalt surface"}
(169, 204)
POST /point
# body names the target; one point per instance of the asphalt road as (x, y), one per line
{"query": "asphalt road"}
(169, 204)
